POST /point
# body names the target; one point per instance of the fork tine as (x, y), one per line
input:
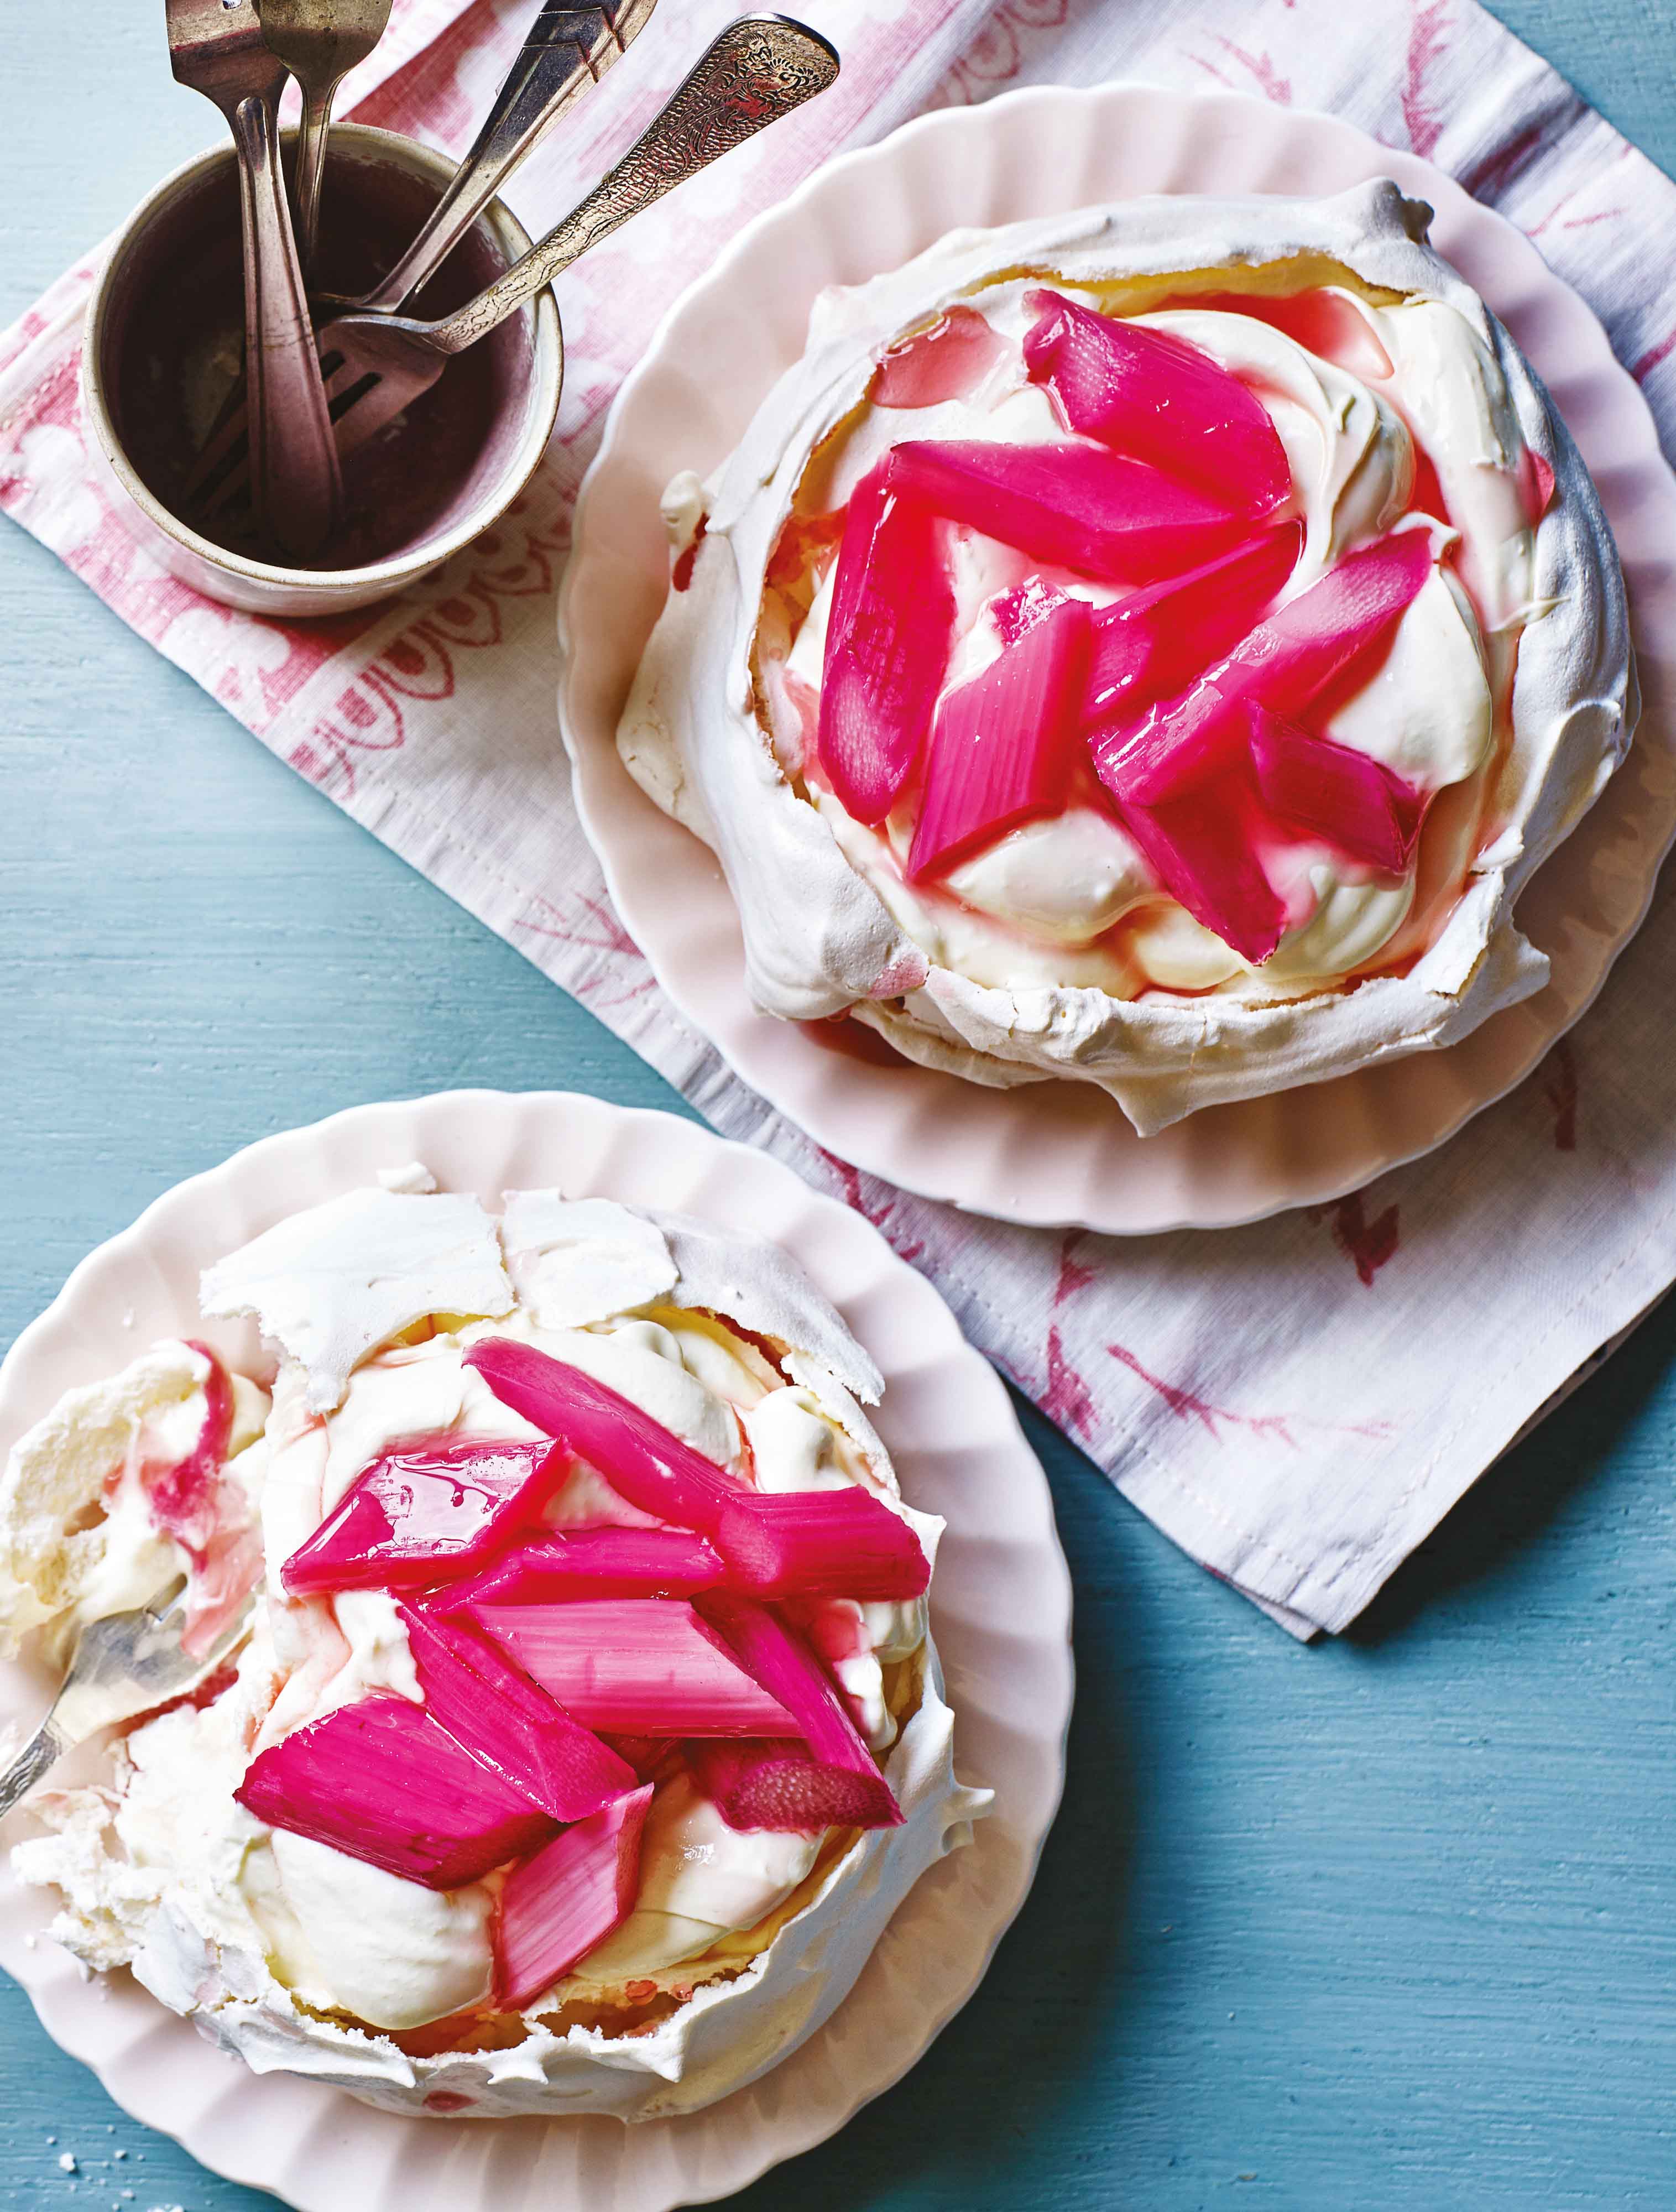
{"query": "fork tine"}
(170, 1601)
(222, 469)
(230, 430)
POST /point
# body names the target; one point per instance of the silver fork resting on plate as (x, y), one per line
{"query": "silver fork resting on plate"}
(566, 53)
(756, 70)
(216, 48)
(122, 1665)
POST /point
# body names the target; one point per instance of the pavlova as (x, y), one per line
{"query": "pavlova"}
(1152, 646)
(587, 1731)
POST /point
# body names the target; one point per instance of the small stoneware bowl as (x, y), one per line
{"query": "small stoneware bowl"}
(164, 337)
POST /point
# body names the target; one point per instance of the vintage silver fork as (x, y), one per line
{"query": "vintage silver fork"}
(319, 41)
(122, 1665)
(758, 69)
(568, 51)
(216, 48)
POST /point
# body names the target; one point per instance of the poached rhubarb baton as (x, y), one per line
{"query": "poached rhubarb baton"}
(385, 1782)
(1076, 507)
(838, 1760)
(425, 1515)
(1338, 794)
(1336, 630)
(1146, 393)
(818, 1544)
(637, 1666)
(495, 1713)
(1006, 746)
(566, 1899)
(1149, 645)
(657, 1472)
(596, 1563)
(887, 644)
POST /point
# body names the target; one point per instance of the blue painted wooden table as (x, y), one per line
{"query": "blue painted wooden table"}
(1391, 1922)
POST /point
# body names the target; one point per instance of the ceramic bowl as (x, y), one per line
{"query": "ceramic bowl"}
(149, 396)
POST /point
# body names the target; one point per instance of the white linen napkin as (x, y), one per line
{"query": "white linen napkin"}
(1297, 1403)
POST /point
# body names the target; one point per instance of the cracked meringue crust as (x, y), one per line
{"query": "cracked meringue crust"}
(1508, 695)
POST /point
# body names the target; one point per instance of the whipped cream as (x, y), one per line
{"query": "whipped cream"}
(399, 1955)
(1508, 688)
(295, 1955)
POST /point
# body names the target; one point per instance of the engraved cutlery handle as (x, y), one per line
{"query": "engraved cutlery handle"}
(568, 50)
(758, 69)
(42, 1752)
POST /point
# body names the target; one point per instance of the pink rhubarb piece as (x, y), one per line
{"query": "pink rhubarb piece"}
(1331, 635)
(637, 1666)
(831, 1768)
(1536, 485)
(425, 1514)
(751, 1531)
(384, 1782)
(1201, 847)
(887, 644)
(597, 1563)
(1336, 793)
(208, 1513)
(649, 1755)
(565, 1901)
(1149, 394)
(1158, 639)
(782, 1786)
(1004, 745)
(947, 361)
(1076, 507)
(821, 1543)
(641, 1460)
(494, 1712)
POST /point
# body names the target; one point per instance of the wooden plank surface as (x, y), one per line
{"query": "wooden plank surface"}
(1389, 1923)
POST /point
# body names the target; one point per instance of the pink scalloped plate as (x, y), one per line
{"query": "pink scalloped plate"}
(1061, 1152)
(1001, 1612)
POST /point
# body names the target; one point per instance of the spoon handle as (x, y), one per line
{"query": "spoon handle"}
(757, 70)
(568, 50)
(294, 484)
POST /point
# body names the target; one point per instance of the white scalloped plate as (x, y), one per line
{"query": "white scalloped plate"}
(1001, 1612)
(1061, 1151)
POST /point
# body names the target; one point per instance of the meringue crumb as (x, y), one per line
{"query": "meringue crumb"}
(415, 1180)
(67, 2161)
